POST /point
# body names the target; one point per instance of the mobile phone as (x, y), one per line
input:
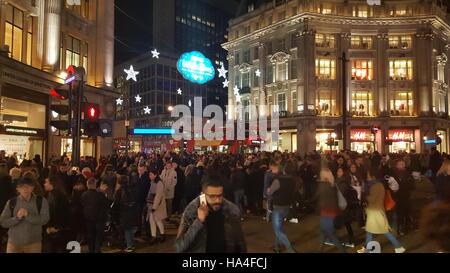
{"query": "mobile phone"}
(203, 199)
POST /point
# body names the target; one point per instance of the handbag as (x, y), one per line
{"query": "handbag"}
(342, 203)
(389, 202)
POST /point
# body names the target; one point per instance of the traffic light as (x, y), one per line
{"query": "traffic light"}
(59, 108)
(91, 119)
(105, 128)
(92, 112)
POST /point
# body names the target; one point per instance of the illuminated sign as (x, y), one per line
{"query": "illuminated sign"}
(153, 131)
(430, 141)
(195, 67)
(361, 136)
(21, 131)
(401, 135)
(70, 74)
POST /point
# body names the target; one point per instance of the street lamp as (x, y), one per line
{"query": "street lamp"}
(170, 108)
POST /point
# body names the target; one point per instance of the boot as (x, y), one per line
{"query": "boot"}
(162, 238)
(153, 241)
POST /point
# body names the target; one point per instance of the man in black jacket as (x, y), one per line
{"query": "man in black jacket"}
(211, 227)
(403, 196)
(95, 210)
(143, 186)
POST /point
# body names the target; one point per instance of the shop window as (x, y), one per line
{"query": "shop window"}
(401, 69)
(401, 103)
(362, 70)
(326, 69)
(362, 103)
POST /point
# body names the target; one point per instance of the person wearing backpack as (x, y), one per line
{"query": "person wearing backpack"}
(24, 216)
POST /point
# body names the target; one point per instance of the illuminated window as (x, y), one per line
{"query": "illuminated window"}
(361, 42)
(269, 73)
(73, 47)
(281, 71)
(325, 103)
(324, 8)
(362, 70)
(401, 103)
(282, 103)
(400, 42)
(401, 69)
(362, 11)
(362, 103)
(326, 69)
(14, 31)
(30, 40)
(245, 80)
(85, 57)
(325, 41)
(399, 11)
(82, 10)
(294, 101)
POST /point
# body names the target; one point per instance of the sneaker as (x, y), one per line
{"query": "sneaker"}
(400, 250)
(328, 243)
(294, 221)
(130, 249)
(362, 250)
(242, 219)
(350, 245)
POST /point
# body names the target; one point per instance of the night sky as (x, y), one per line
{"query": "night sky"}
(133, 35)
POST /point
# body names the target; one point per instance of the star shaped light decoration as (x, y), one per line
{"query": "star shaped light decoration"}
(222, 72)
(238, 98)
(131, 74)
(258, 73)
(138, 98)
(155, 54)
(179, 91)
(190, 103)
(147, 110)
(236, 90)
(119, 101)
(225, 83)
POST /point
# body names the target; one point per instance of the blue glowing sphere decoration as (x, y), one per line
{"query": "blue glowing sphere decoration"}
(195, 67)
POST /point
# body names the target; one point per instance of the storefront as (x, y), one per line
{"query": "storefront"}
(287, 141)
(88, 147)
(323, 141)
(401, 140)
(120, 144)
(442, 134)
(25, 143)
(22, 128)
(362, 140)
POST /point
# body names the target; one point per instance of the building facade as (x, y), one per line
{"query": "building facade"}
(178, 27)
(39, 39)
(385, 66)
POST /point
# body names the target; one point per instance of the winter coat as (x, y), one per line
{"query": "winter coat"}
(169, 178)
(156, 201)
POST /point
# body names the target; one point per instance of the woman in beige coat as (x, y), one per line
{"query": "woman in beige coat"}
(156, 203)
(376, 220)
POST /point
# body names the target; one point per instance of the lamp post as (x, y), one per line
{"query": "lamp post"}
(344, 99)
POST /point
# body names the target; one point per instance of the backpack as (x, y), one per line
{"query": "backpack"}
(13, 203)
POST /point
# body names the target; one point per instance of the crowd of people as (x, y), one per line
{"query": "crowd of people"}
(119, 198)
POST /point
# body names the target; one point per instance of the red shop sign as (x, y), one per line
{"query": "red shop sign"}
(401, 135)
(361, 136)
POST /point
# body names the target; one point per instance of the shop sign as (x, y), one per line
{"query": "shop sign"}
(401, 135)
(361, 136)
(21, 131)
(195, 67)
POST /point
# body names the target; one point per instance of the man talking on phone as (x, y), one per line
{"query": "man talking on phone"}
(210, 223)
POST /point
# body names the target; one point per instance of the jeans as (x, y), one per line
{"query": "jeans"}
(327, 231)
(239, 200)
(390, 236)
(129, 236)
(278, 216)
(393, 220)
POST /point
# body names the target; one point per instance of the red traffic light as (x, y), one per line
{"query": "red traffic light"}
(92, 112)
